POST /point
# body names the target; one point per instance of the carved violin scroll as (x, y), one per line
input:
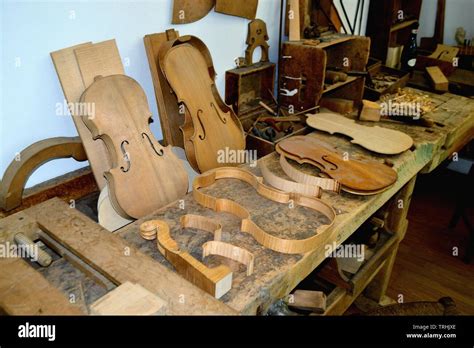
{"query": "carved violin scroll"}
(144, 175)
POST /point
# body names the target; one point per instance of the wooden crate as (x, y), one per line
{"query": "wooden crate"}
(373, 94)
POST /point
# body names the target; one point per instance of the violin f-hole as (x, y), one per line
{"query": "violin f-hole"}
(325, 158)
(160, 152)
(125, 156)
(203, 135)
(223, 119)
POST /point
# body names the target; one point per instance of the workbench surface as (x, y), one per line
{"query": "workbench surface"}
(276, 274)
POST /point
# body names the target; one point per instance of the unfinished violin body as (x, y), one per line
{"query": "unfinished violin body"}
(145, 176)
(377, 139)
(210, 126)
(362, 177)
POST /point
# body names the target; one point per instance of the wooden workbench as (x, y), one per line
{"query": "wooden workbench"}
(275, 274)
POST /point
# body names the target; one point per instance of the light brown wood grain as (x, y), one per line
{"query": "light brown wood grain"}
(306, 179)
(70, 77)
(288, 185)
(215, 281)
(144, 175)
(288, 246)
(129, 299)
(229, 251)
(120, 261)
(356, 176)
(210, 126)
(242, 8)
(438, 80)
(23, 291)
(294, 20)
(377, 139)
(189, 11)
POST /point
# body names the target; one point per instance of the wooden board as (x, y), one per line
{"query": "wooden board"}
(314, 301)
(23, 291)
(189, 11)
(120, 261)
(377, 139)
(294, 20)
(242, 8)
(72, 85)
(100, 59)
(144, 175)
(437, 78)
(129, 299)
(354, 175)
(170, 118)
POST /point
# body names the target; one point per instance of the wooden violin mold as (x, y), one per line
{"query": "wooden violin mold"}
(377, 139)
(215, 281)
(144, 175)
(356, 176)
(282, 245)
(210, 126)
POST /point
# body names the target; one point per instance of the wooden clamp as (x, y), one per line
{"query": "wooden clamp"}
(287, 246)
(31, 158)
(257, 37)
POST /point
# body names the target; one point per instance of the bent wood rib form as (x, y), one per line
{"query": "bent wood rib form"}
(145, 176)
(288, 246)
(210, 125)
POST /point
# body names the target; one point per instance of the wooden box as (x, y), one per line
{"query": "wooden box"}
(375, 94)
(247, 86)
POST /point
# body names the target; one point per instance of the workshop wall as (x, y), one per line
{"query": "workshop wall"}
(458, 14)
(30, 88)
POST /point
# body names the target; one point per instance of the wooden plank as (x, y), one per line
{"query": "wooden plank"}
(72, 85)
(129, 299)
(100, 59)
(437, 78)
(294, 19)
(23, 291)
(121, 262)
(243, 8)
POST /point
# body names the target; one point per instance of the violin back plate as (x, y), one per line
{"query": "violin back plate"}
(357, 176)
(145, 176)
(189, 11)
(377, 139)
(211, 127)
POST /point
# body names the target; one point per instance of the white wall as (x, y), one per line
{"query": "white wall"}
(459, 13)
(31, 30)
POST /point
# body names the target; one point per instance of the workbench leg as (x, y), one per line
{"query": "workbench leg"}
(395, 222)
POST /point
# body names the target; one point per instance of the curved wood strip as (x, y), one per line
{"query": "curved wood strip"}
(287, 185)
(287, 246)
(355, 175)
(231, 252)
(306, 179)
(30, 159)
(216, 281)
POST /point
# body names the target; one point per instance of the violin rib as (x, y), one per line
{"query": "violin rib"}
(145, 176)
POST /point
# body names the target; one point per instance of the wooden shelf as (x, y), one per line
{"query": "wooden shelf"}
(403, 25)
(335, 86)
